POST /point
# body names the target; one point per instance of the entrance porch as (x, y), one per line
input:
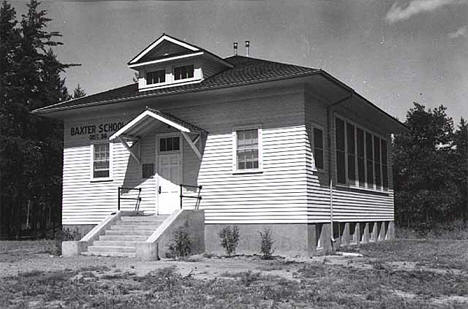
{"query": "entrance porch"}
(164, 161)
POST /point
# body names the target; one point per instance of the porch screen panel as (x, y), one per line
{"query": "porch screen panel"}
(351, 153)
(369, 161)
(340, 151)
(377, 166)
(360, 157)
(247, 149)
(384, 165)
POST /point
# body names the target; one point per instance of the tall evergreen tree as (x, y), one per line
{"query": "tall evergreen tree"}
(31, 147)
(78, 92)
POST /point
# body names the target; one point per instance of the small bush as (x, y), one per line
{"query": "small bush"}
(181, 244)
(68, 234)
(229, 239)
(266, 244)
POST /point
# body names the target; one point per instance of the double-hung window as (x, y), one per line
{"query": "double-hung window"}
(101, 164)
(247, 153)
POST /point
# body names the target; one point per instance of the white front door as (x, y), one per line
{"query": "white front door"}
(169, 174)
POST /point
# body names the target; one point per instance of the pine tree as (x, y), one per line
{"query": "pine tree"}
(78, 92)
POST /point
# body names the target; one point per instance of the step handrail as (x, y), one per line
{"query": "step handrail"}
(138, 198)
(198, 196)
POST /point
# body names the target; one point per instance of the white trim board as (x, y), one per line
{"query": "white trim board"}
(164, 37)
(140, 117)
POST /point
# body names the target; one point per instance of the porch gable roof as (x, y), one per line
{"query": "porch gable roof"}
(139, 125)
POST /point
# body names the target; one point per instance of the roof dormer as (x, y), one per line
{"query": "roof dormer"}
(169, 62)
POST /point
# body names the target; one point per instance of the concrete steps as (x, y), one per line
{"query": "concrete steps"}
(122, 237)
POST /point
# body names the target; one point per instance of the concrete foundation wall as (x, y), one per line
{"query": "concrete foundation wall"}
(299, 239)
(192, 221)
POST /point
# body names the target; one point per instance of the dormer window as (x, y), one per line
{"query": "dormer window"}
(169, 62)
(183, 72)
(156, 77)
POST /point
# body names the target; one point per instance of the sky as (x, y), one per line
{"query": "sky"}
(393, 52)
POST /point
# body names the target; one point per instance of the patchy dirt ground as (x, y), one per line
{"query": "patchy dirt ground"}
(397, 274)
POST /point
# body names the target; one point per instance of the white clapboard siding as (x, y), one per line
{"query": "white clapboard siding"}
(278, 194)
(287, 190)
(348, 206)
(88, 202)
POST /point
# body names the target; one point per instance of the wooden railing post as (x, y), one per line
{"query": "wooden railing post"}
(118, 204)
(181, 196)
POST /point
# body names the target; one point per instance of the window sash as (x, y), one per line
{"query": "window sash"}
(156, 77)
(361, 157)
(351, 150)
(340, 150)
(184, 72)
(383, 149)
(377, 164)
(101, 160)
(167, 144)
(318, 148)
(247, 149)
(369, 160)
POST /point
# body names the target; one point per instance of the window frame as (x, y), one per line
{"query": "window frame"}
(355, 184)
(111, 162)
(181, 66)
(155, 71)
(259, 129)
(169, 135)
(319, 127)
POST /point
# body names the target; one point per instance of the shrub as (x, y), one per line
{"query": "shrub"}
(266, 244)
(68, 234)
(181, 244)
(229, 239)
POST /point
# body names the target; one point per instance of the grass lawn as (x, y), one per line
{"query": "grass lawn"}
(395, 274)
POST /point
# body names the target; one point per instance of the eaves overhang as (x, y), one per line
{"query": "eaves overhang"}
(57, 109)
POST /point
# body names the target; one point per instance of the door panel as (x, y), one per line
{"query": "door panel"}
(169, 179)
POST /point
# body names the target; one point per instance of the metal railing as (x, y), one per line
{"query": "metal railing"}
(137, 199)
(197, 196)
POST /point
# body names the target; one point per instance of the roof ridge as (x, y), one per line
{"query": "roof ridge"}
(268, 61)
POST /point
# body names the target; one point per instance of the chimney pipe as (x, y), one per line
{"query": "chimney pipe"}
(235, 48)
(247, 45)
